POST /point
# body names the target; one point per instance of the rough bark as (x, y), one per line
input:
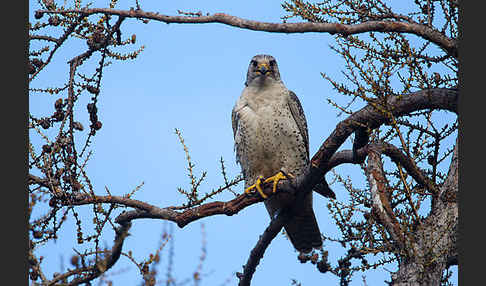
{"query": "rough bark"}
(435, 240)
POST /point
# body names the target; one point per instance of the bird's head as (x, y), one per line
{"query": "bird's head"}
(262, 68)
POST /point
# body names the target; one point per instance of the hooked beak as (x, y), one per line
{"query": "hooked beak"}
(263, 69)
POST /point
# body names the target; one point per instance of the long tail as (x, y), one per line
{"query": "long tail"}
(303, 230)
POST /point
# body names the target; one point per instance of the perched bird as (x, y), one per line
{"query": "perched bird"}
(272, 143)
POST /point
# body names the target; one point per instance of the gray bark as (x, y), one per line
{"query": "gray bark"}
(434, 244)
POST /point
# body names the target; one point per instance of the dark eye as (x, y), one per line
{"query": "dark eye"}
(273, 63)
(254, 63)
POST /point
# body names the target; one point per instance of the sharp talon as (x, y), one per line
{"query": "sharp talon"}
(258, 187)
(290, 175)
(277, 177)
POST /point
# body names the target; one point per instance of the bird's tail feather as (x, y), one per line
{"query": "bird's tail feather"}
(303, 230)
(323, 189)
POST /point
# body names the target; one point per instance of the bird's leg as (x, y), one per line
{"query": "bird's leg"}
(277, 177)
(257, 186)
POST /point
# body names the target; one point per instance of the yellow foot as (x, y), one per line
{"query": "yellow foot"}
(277, 177)
(258, 187)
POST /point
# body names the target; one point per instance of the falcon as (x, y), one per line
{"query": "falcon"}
(272, 144)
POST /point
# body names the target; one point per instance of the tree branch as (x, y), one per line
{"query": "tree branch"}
(449, 188)
(436, 98)
(435, 241)
(87, 274)
(68, 31)
(257, 252)
(426, 32)
(370, 116)
(182, 218)
(43, 37)
(380, 197)
(395, 154)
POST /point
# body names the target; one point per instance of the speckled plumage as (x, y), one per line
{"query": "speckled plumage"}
(270, 133)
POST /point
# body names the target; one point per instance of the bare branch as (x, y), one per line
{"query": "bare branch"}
(441, 98)
(397, 156)
(369, 116)
(424, 31)
(43, 37)
(380, 197)
(145, 210)
(59, 43)
(86, 274)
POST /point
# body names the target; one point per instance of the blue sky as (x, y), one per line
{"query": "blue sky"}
(189, 77)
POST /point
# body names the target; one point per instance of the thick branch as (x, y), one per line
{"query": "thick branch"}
(182, 218)
(395, 154)
(423, 31)
(436, 98)
(449, 189)
(380, 197)
(435, 240)
(439, 98)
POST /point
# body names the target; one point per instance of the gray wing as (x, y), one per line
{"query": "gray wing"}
(234, 123)
(299, 117)
(303, 229)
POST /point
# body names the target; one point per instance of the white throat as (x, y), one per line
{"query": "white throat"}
(262, 83)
